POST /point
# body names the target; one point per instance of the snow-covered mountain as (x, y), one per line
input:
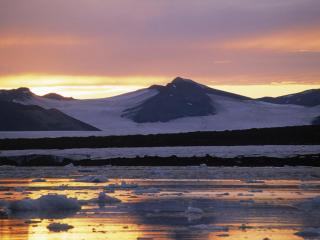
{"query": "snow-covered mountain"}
(180, 106)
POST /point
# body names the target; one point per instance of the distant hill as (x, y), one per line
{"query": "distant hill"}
(56, 96)
(307, 98)
(20, 94)
(19, 117)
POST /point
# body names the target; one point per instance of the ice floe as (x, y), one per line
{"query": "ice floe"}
(210, 228)
(146, 190)
(45, 203)
(122, 185)
(103, 198)
(92, 179)
(310, 205)
(194, 210)
(39, 180)
(309, 233)
(59, 227)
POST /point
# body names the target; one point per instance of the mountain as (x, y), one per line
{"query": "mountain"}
(19, 117)
(20, 94)
(56, 96)
(178, 99)
(180, 106)
(309, 98)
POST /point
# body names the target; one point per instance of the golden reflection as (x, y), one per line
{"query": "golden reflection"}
(114, 224)
(13, 229)
(259, 234)
(87, 228)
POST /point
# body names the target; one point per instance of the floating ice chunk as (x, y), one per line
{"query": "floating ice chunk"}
(45, 203)
(3, 203)
(19, 189)
(32, 221)
(310, 205)
(254, 181)
(245, 194)
(103, 198)
(250, 201)
(255, 190)
(39, 180)
(59, 227)
(128, 185)
(122, 185)
(194, 210)
(92, 179)
(210, 228)
(146, 190)
(70, 165)
(3, 214)
(309, 233)
(244, 226)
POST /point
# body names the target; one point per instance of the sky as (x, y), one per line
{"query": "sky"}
(99, 48)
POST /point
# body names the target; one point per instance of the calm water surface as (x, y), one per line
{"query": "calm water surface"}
(249, 211)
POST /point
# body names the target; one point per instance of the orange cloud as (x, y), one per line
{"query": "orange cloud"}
(13, 41)
(293, 41)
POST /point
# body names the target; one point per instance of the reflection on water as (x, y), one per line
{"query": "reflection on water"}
(232, 210)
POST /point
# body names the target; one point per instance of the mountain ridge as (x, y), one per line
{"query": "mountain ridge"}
(192, 107)
(19, 117)
(24, 93)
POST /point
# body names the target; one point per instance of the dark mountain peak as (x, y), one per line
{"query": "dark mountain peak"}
(56, 96)
(179, 98)
(19, 94)
(23, 90)
(184, 83)
(180, 80)
(178, 84)
(188, 85)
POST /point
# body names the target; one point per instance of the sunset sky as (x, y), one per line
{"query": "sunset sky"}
(98, 48)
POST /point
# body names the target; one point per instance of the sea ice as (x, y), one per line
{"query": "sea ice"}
(194, 210)
(310, 205)
(210, 228)
(45, 203)
(309, 233)
(39, 180)
(59, 227)
(146, 190)
(103, 198)
(92, 179)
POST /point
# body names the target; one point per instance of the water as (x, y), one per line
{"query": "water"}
(233, 208)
